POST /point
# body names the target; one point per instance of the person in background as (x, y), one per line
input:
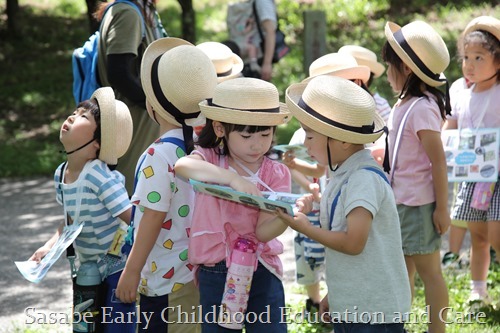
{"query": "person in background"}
(368, 58)
(458, 228)
(309, 254)
(417, 162)
(479, 48)
(121, 45)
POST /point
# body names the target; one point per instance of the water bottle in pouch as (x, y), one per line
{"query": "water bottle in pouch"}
(85, 298)
(481, 196)
(238, 283)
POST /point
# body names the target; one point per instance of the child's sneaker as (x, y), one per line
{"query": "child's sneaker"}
(450, 259)
(477, 300)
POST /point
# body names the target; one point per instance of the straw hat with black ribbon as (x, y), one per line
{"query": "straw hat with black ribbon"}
(336, 108)
(116, 125)
(364, 57)
(228, 65)
(423, 50)
(341, 65)
(246, 101)
(176, 76)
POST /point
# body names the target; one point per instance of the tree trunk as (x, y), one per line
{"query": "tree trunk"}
(188, 21)
(91, 7)
(12, 10)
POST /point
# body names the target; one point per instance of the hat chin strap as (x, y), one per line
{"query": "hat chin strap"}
(330, 156)
(77, 149)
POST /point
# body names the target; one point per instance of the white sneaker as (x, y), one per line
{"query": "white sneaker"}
(478, 300)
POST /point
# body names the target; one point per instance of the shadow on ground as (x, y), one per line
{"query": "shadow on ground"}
(29, 215)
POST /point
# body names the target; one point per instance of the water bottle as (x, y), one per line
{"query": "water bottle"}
(85, 296)
(481, 196)
(238, 283)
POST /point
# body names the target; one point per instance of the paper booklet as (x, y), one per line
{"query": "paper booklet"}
(269, 202)
(472, 155)
(300, 152)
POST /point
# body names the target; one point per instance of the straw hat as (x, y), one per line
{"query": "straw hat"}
(364, 57)
(116, 125)
(421, 48)
(246, 101)
(176, 76)
(227, 64)
(337, 108)
(486, 23)
(342, 65)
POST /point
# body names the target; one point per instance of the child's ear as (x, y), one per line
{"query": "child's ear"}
(406, 70)
(96, 145)
(218, 129)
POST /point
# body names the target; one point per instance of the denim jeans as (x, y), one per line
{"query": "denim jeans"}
(367, 328)
(266, 293)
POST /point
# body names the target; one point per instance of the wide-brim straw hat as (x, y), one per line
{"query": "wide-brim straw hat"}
(176, 76)
(341, 65)
(364, 57)
(246, 101)
(116, 125)
(421, 48)
(336, 108)
(485, 23)
(228, 65)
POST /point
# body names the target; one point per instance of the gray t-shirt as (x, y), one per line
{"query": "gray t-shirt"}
(372, 286)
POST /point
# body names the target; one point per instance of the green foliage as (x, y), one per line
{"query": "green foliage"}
(37, 90)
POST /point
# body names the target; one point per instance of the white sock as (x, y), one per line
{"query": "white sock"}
(478, 287)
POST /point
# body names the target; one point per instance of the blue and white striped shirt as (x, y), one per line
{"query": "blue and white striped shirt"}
(96, 198)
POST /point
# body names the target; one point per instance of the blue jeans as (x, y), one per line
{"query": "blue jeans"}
(266, 293)
(367, 328)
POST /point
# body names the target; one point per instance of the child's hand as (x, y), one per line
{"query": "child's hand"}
(242, 185)
(441, 219)
(324, 308)
(40, 253)
(314, 190)
(126, 291)
(289, 159)
(305, 203)
(298, 222)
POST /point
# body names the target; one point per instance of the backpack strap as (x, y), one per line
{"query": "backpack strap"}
(129, 239)
(336, 199)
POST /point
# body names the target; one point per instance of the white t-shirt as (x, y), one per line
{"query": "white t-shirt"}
(167, 268)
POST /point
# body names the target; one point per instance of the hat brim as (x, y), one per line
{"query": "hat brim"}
(235, 71)
(486, 23)
(352, 73)
(390, 29)
(375, 67)
(293, 95)
(153, 51)
(241, 117)
(105, 98)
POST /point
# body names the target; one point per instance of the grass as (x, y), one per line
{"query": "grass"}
(36, 93)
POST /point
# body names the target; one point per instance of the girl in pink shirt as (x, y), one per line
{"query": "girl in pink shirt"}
(416, 155)
(232, 148)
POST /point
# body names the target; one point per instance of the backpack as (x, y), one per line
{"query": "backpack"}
(85, 59)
